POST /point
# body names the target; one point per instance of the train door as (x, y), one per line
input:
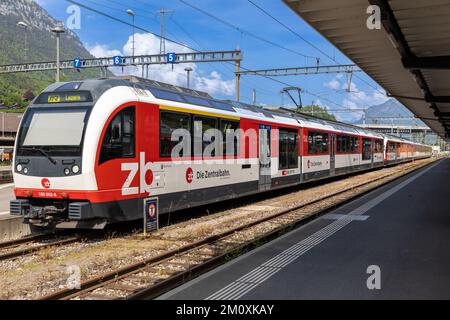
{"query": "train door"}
(332, 154)
(372, 148)
(300, 152)
(264, 158)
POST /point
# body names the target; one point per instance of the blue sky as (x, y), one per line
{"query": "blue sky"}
(104, 36)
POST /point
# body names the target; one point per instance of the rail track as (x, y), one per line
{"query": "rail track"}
(27, 245)
(154, 276)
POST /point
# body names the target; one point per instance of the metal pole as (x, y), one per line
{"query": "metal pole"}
(188, 71)
(238, 80)
(188, 84)
(58, 64)
(254, 96)
(133, 37)
(132, 15)
(26, 45)
(162, 43)
(24, 25)
(58, 30)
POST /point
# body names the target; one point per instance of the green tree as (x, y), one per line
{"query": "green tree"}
(317, 111)
(40, 47)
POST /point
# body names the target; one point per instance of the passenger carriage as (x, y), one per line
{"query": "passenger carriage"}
(89, 153)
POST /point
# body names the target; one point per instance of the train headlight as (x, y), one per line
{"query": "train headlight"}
(66, 171)
(25, 170)
(19, 167)
(75, 169)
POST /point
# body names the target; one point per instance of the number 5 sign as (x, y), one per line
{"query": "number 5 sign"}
(171, 58)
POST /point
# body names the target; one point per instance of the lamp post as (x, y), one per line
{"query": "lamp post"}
(188, 70)
(57, 31)
(24, 25)
(133, 15)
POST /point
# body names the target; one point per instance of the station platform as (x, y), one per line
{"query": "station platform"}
(6, 194)
(396, 239)
(11, 227)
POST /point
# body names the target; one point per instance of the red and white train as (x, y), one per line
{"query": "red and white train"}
(91, 152)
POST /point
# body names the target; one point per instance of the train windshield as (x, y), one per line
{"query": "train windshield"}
(55, 131)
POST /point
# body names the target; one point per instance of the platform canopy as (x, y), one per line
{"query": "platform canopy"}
(409, 56)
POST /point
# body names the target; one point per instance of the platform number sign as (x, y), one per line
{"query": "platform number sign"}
(171, 57)
(151, 214)
(117, 60)
(77, 63)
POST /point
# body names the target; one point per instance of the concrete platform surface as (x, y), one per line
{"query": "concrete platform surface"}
(392, 243)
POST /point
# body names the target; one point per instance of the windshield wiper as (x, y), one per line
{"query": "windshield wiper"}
(42, 152)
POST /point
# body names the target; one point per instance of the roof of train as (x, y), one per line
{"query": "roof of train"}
(170, 92)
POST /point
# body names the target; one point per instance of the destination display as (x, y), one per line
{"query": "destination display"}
(64, 97)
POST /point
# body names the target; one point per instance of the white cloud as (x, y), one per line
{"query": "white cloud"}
(101, 51)
(215, 84)
(354, 98)
(148, 44)
(333, 84)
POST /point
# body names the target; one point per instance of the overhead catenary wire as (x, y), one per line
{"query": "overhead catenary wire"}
(177, 41)
(306, 41)
(186, 46)
(243, 31)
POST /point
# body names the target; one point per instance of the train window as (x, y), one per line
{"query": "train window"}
(222, 105)
(169, 122)
(317, 142)
(366, 149)
(378, 146)
(341, 144)
(202, 127)
(391, 147)
(346, 144)
(230, 129)
(166, 95)
(288, 150)
(119, 141)
(197, 101)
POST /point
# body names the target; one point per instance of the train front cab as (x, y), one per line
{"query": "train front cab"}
(70, 160)
(48, 166)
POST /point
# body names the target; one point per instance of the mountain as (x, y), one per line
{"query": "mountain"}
(41, 46)
(390, 112)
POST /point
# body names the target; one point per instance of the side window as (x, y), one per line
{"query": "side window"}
(230, 128)
(378, 146)
(366, 149)
(317, 142)
(169, 122)
(288, 149)
(204, 124)
(343, 144)
(119, 139)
